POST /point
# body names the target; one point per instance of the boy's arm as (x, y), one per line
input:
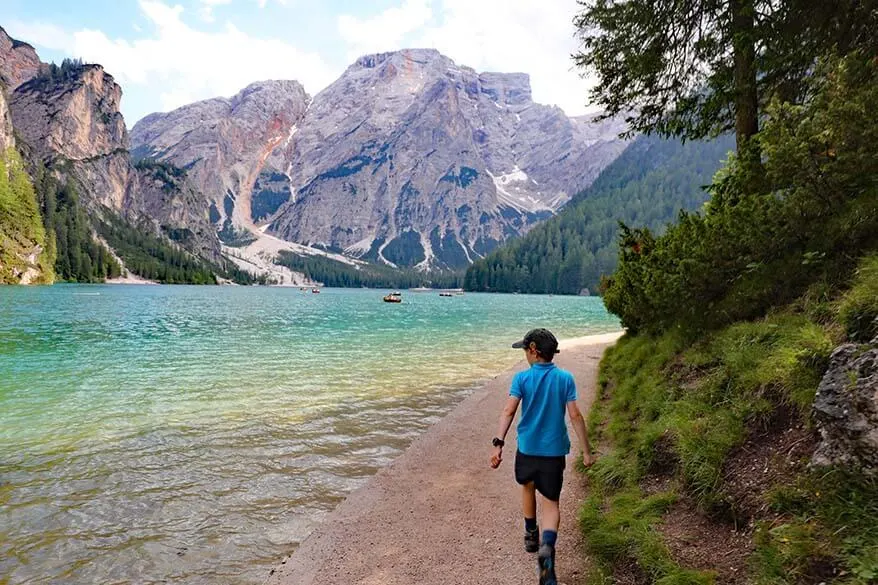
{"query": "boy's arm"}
(506, 417)
(578, 422)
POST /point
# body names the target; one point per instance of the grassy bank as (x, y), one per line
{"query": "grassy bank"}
(720, 428)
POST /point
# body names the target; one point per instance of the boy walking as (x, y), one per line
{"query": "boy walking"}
(545, 392)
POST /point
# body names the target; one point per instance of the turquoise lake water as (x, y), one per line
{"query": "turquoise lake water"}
(158, 434)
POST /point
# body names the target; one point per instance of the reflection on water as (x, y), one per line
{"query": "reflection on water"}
(195, 435)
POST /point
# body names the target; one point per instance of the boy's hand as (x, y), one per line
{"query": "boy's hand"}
(587, 459)
(496, 457)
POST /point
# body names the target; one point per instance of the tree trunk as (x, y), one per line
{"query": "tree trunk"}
(746, 99)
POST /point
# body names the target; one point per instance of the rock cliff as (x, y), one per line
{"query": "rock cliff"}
(72, 120)
(224, 143)
(407, 159)
(412, 160)
(69, 119)
(7, 139)
(18, 62)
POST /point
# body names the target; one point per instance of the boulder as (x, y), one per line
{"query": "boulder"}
(846, 409)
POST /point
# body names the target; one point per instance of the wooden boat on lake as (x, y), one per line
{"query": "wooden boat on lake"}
(394, 297)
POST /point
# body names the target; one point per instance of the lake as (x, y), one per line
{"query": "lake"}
(176, 434)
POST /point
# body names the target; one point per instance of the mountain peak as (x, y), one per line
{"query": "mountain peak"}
(269, 85)
(512, 89)
(267, 91)
(18, 62)
(410, 56)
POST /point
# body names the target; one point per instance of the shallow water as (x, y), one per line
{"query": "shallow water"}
(197, 434)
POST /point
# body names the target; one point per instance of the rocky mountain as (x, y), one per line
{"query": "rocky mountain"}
(224, 143)
(7, 138)
(23, 249)
(69, 119)
(74, 117)
(18, 62)
(406, 159)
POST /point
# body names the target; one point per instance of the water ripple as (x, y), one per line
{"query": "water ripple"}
(197, 435)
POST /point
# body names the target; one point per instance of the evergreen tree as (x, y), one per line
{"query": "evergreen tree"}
(647, 185)
(21, 229)
(747, 253)
(698, 69)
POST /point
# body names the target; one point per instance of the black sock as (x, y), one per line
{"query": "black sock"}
(530, 524)
(550, 537)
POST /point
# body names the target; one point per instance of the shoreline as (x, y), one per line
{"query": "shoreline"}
(586, 340)
(437, 514)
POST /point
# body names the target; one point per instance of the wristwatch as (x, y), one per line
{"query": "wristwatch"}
(497, 442)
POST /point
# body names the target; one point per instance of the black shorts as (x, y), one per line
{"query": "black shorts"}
(547, 473)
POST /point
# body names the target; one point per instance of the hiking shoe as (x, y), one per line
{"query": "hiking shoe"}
(546, 561)
(532, 540)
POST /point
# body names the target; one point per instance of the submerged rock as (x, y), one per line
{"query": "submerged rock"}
(846, 409)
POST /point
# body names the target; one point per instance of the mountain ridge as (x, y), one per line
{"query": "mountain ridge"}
(433, 168)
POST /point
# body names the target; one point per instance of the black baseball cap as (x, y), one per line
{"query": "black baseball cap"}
(544, 340)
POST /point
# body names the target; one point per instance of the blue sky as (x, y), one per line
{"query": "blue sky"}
(167, 53)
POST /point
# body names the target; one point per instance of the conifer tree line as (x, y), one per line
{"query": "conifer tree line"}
(814, 217)
(77, 256)
(21, 229)
(698, 69)
(685, 70)
(150, 257)
(795, 81)
(650, 182)
(334, 273)
(52, 74)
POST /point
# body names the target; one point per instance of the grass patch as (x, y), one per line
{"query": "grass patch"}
(831, 523)
(619, 531)
(673, 406)
(858, 311)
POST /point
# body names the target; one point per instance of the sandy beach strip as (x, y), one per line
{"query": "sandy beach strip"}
(439, 515)
(130, 278)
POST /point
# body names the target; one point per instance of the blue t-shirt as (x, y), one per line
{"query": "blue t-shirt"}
(544, 390)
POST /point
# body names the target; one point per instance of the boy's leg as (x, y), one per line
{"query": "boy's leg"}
(549, 485)
(529, 510)
(550, 515)
(529, 500)
(550, 518)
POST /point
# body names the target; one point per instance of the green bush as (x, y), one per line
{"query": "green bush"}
(750, 251)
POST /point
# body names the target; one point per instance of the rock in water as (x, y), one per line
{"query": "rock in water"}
(846, 410)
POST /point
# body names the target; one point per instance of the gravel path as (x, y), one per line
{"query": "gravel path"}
(439, 514)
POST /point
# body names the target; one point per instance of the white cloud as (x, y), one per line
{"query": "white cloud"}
(488, 35)
(385, 31)
(41, 34)
(515, 35)
(170, 62)
(179, 64)
(207, 6)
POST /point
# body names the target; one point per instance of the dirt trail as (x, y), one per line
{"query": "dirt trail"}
(439, 515)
